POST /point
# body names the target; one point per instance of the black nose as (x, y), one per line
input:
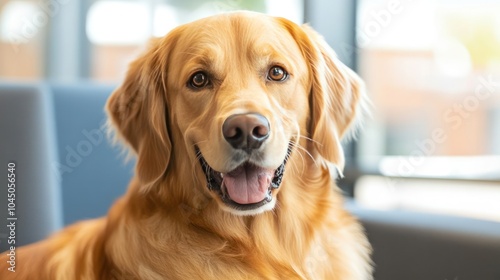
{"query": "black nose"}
(246, 131)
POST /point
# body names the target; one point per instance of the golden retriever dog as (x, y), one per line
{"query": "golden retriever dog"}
(236, 122)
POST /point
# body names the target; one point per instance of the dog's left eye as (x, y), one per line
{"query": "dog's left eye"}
(277, 74)
(198, 80)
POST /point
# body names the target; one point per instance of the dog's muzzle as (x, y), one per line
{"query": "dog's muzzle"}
(248, 186)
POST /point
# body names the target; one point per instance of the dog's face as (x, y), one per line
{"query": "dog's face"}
(240, 100)
(235, 95)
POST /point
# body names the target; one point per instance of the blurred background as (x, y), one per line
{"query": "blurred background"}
(432, 70)
(433, 74)
(431, 145)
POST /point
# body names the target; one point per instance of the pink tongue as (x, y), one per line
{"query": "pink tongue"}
(248, 184)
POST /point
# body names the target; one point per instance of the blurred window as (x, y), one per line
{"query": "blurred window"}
(433, 73)
(119, 30)
(432, 68)
(118, 23)
(22, 36)
(70, 40)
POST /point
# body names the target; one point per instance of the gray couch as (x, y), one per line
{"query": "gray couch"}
(67, 171)
(420, 246)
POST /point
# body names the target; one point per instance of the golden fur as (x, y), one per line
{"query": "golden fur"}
(169, 225)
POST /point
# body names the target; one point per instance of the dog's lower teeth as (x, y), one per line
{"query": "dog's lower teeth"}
(216, 183)
(269, 197)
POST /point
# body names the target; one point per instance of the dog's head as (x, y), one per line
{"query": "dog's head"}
(235, 95)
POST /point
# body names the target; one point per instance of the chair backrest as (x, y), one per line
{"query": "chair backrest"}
(65, 168)
(27, 139)
(92, 172)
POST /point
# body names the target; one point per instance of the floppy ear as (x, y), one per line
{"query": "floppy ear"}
(138, 112)
(337, 100)
(337, 94)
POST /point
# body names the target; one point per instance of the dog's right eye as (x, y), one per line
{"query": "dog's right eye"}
(277, 74)
(198, 80)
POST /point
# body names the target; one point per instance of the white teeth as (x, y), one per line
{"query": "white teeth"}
(222, 175)
(269, 197)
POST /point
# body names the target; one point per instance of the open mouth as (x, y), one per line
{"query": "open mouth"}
(247, 187)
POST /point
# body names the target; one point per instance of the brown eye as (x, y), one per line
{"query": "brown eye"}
(198, 80)
(277, 74)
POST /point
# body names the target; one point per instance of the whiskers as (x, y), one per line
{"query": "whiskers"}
(304, 151)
